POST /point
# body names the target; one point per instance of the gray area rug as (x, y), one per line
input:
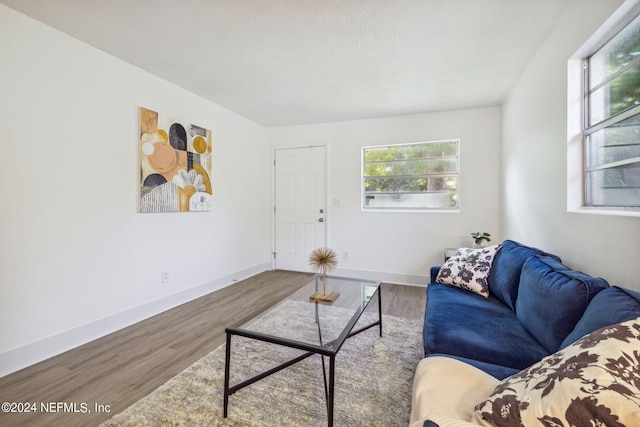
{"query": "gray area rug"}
(374, 378)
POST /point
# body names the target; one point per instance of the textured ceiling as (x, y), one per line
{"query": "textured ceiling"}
(284, 62)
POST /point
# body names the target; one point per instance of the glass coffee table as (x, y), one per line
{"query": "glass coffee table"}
(321, 328)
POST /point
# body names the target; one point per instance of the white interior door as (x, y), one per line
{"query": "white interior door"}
(300, 211)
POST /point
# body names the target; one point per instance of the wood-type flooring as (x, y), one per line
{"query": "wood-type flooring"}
(102, 378)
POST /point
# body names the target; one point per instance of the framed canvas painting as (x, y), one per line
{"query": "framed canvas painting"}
(175, 165)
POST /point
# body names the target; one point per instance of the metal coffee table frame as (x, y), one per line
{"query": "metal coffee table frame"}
(329, 350)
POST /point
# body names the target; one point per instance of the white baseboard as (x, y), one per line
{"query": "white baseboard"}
(399, 278)
(27, 355)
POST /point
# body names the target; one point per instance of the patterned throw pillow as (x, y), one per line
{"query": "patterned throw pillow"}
(469, 269)
(595, 381)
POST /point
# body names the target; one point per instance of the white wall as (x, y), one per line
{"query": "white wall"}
(535, 157)
(76, 259)
(402, 246)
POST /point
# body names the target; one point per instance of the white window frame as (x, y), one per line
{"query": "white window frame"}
(575, 113)
(363, 203)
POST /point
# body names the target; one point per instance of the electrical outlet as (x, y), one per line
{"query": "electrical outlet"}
(165, 276)
(345, 255)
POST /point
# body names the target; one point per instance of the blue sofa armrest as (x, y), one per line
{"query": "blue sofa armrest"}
(496, 371)
(434, 273)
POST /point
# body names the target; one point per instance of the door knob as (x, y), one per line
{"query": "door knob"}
(321, 220)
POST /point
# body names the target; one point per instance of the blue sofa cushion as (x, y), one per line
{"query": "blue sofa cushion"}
(505, 272)
(610, 306)
(552, 298)
(464, 324)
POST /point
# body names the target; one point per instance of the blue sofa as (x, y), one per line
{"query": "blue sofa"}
(536, 307)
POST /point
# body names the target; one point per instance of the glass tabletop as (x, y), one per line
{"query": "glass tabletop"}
(298, 319)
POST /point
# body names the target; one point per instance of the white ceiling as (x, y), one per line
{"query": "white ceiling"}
(284, 62)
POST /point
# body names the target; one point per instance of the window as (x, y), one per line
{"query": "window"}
(611, 141)
(418, 176)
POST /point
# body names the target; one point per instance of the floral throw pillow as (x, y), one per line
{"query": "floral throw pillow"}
(469, 269)
(593, 382)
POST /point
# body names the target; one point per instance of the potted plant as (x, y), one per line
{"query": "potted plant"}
(480, 239)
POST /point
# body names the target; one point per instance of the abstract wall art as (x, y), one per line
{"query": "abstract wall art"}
(175, 165)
